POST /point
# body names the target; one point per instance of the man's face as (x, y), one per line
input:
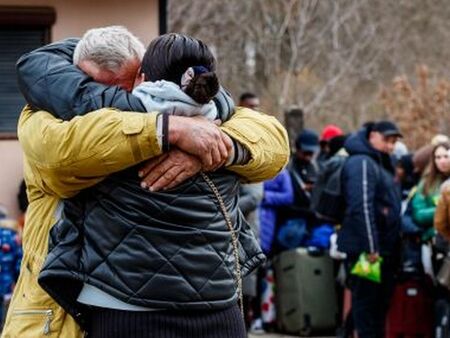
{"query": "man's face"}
(324, 147)
(304, 156)
(382, 143)
(127, 77)
(252, 103)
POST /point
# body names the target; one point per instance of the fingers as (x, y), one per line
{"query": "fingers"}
(222, 152)
(182, 176)
(216, 158)
(158, 170)
(173, 170)
(151, 164)
(227, 146)
(168, 178)
(207, 159)
(227, 141)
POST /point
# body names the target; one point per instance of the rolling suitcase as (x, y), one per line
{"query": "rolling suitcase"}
(411, 310)
(305, 296)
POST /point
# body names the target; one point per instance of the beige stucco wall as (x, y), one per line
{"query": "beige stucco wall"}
(73, 18)
(10, 174)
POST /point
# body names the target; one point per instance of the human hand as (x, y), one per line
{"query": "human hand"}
(169, 170)
(202, 138)
(373, 257)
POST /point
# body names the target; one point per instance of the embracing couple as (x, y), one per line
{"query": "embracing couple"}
(133, 160)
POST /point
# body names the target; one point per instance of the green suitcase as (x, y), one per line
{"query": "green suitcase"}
(306, 299)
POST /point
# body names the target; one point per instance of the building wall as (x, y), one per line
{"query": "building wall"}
(10, 174)
(73, 18)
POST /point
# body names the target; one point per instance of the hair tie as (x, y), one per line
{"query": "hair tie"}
(189, 74)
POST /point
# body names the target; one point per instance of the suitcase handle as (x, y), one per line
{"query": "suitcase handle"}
(287, 268)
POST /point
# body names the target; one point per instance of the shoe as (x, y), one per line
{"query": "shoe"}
(257, 327)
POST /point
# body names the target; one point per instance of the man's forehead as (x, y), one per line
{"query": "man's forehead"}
(391, 138)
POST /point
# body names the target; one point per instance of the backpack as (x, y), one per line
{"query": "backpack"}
(327, 200)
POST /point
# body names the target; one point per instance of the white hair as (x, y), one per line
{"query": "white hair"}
(108, 47)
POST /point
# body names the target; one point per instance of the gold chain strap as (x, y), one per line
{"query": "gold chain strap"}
(234, 240)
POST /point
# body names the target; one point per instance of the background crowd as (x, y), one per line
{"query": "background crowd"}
(407, 226)
(287, 213)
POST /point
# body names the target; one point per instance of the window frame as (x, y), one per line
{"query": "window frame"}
(15, 17)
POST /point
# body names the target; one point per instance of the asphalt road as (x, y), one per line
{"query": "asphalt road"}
(274, 335)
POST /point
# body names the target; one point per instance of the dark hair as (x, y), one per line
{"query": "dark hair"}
(433, 176)
(336, 143)
(368, 126)
(247, 96)
(170, 55)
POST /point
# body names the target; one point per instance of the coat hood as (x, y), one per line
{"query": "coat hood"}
(358, 144)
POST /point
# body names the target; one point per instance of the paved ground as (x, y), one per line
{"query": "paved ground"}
(273, 335)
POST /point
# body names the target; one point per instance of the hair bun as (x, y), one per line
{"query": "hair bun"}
(203, 87)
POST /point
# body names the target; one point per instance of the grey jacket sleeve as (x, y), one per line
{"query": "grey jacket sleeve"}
(250, 196)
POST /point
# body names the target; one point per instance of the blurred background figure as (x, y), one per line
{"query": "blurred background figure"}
(249, 100)
(330, 131)
(278, 192)
(426, 198)
(22, 199)
(442, 215)
(303, 171)
(250, 196)
(10, 259)
(406, 175)
(400, 149)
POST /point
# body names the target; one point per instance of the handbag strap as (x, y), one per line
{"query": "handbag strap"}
(234, 240)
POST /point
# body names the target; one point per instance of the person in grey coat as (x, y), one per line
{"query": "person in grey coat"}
(250, 196)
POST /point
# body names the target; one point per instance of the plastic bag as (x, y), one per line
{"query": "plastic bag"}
(364, 269)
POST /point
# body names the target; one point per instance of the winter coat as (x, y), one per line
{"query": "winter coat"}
(300, 207)
(424, 206)
(373, 202)
(10, 259)
(442, 214)
(250, 196)
(62, 158)
(278, 192)
(167, 250)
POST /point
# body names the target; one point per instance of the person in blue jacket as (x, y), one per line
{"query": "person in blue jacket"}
(372, 221)
(278, 192)
(10, 259)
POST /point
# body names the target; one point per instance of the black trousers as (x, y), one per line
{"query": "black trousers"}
(109, 323)
(370, 300)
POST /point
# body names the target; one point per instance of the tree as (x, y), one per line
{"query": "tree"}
(421, 109)
(328, 58)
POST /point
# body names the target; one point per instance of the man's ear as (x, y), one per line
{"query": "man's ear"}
(140, 77)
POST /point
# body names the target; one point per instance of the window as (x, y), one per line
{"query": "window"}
(21, 30)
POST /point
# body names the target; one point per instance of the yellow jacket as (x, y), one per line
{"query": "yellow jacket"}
(65, 157)
(442, 214)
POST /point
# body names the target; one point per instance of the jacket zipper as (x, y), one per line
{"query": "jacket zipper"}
(47, 313)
